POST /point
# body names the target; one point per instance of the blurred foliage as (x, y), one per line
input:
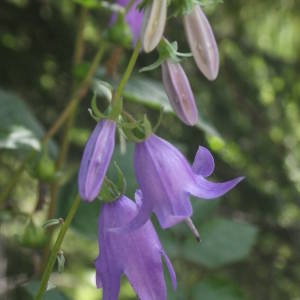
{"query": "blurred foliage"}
(250, 119)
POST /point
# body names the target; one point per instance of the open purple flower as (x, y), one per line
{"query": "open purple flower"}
(202, 42)
(136, 254)
(166, 180)
(134, 19)
(179, 92)
(95, 160)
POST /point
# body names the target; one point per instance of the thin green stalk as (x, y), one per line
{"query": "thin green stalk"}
(56, 248)
(117, 98)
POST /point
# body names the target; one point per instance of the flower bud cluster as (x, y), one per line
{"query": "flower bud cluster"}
(128, 242)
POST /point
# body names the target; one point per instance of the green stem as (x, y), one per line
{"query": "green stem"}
(117, 100)
(56, 248)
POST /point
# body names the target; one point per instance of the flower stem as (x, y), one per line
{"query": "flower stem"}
(117, 100)
(56, 248)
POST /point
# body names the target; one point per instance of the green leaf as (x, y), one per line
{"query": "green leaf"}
(222, 242)
(19, 129)
(151, 93)
(216, 289)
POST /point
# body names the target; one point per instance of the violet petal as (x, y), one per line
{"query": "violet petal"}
(204, 162)
(96, 158)
(137, 254)
(209, 190)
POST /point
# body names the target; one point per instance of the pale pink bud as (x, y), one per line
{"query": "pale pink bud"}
(179, 92)
(153, 24)
(202, 42)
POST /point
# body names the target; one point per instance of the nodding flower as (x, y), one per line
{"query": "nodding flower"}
(167, 180)
(137, 254)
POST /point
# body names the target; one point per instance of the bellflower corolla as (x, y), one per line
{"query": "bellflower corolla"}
(133, 18)
(179, 92)
(96, 158)
(202, 42)
(166, 180)
(137, 254)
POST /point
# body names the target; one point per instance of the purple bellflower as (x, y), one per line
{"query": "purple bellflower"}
(95, 160)
(202, 42)
(179, 92)
(166, 180)
(137, 254)
(133, 18)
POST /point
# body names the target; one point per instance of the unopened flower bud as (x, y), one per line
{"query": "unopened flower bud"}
(95, 160)
(153, 24)
(202, 42)
(179, 92)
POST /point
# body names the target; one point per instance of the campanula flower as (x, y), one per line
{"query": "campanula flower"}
(166, 180)
(202, 42)
(179, 92)
(136, 254)
(95, 160)
(133, 18)
(154, 24)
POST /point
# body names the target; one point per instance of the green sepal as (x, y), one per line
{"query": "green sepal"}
(166, 51)
(52, 222)
(60, 261)
(161, 112)
(121, 181)
(109, 191)
(137, 131)
(103, 89)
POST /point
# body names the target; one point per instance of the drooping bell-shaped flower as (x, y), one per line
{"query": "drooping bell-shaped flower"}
(179, 92)
(133, 18)
(96, 158)
(136, 254)
(166, 181)
(202, 42)
(153, 24)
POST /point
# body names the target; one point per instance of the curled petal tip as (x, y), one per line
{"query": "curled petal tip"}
(204, 162)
